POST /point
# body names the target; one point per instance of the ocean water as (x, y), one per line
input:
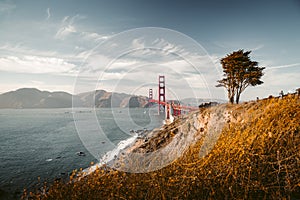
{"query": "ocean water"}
(44, 142)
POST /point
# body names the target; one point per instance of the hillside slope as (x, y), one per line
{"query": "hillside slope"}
(252, 153)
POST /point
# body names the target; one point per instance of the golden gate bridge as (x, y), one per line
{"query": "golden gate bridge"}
(172, 108)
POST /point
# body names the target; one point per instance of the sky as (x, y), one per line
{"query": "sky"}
(77, 46)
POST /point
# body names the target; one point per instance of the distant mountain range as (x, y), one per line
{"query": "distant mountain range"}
(34, 98)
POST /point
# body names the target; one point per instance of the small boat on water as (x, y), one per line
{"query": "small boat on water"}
(80, 153)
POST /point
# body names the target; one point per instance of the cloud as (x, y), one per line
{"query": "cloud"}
(158, 46)
(258, 47)
(94, 36)
(48, 14)
(83, 54)
(169, 47)
(283, 66)
(67, 26)
(138, 43)
(21, 49)
(65, 31)
(36, 65)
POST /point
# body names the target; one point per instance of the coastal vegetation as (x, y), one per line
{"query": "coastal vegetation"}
(257, 156)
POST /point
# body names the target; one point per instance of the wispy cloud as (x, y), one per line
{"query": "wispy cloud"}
(19, 50)
(36, 65)
(48, 14)
(65, 31)
(67, 26)
(94, 36)
(283, 66)
(168, 47)
(258, 47)
(9, 49)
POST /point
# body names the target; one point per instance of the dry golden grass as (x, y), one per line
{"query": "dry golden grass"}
(256, 157)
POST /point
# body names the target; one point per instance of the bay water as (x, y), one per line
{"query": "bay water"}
(45, 142)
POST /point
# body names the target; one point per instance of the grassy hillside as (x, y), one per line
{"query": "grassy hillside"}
(256, 157)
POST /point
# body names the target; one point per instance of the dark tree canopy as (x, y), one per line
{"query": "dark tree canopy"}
(239, 73)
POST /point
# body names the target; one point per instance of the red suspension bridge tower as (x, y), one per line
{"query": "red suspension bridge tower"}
(150, 94)
(161, 91)
(171, 108)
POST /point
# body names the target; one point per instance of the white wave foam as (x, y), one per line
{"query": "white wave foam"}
(110, 155)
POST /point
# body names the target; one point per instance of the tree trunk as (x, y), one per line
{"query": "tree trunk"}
(237, 99)
(231, 99)
(230, 94)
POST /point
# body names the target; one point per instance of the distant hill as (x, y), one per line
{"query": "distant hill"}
(104, 99)
(34, 98)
